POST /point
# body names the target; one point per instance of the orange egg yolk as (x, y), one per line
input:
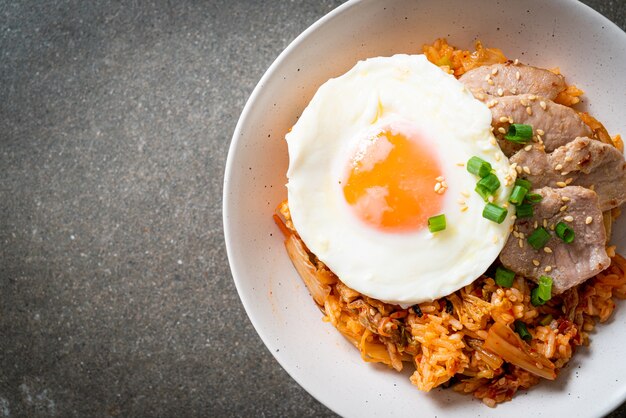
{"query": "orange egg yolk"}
(390, 182)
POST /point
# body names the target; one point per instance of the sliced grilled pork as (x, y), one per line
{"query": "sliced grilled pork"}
(567, 264)
(510, 80)
(582, 162)
(554, 124)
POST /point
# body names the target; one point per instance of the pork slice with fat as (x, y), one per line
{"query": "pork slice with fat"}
(509, 79)
(567, 264)
(583, 162)
(553, 124)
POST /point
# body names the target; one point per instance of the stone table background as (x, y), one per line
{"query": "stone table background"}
(115, 293)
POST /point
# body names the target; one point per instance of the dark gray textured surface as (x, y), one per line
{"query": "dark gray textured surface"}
(115, 293)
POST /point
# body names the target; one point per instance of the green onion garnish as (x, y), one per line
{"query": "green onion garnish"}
(524, 211)
(524, 183)
(534, 198)
(482, 191)
(504, 277)
(521, 329)
(517, 195)
(519, 133)
(478, 167)
(490, 181)
(542, 293)
(539, 238)
(494, 213)
(564, 232)
(546, 320)
(437, 223)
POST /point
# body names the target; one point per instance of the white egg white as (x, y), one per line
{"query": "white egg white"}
(409, 267)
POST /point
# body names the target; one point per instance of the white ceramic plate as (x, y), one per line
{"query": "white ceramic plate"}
(588, 48)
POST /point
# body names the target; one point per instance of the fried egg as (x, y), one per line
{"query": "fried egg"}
(376, 153)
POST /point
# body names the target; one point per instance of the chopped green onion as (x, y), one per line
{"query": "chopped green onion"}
(504, 277)
(542, 293)
(546, 320)
(564, 232)
(478, 167)
(519, 133)
(524, 211)
(494, 213)
(533, 198)
(539, 238)
(524, 183)
(517, 195)
(489, 183)
(521, 329)
(483, 192)
(437, 223)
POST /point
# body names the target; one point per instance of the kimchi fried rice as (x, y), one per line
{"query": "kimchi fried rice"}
(467, 340)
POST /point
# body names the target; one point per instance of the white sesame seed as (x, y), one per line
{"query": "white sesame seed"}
(536, 262)
(460, 201)
(522, 235)
(437, 186)
(490, 199)
(558, 167)
(529, 111)
(480, 96)
(523, 102)
(548, 250)
(464, 208)
(492, 103)
(588, 220)
(440, 178)
(543, 105)
(516, 61)
(569, 158)
(488, 77)
(513, 91)
(492, 141)
(490, 82)
(494, 71)
(513, 217)
(517, 75)
(495, 239)
(532, 97)
(516, 234)
(520, 243)
(510, 119)
(565, 199)
(563, 208)
(540, 132)
(518, 169)
(548, 269)
(526, 169)
(500, 92)
(568, 218)
(528, 147)
(503, 119)
(461, 164)
(497, 156)
(552, 227)
(569, 180)
(561, 184)
(536, 224)
(466, 194)
(501, 129)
